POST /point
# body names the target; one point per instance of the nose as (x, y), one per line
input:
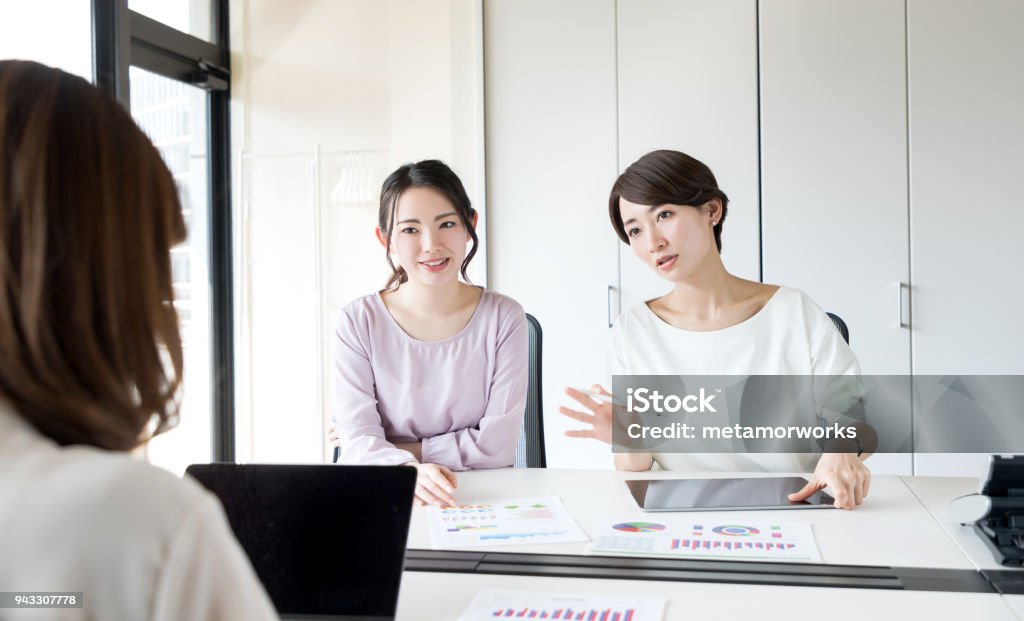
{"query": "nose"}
(655, 240)
(428, 241)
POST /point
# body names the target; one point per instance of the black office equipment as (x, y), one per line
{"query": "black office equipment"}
(998, 510)
(326, 541)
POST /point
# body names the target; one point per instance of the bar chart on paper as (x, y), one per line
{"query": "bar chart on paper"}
(516, 604)
(699, 539)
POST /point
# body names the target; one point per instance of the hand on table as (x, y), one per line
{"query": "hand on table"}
(599, 416)
(434, 485)
(845, 473)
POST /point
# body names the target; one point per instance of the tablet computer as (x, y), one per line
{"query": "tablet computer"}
(724, 494)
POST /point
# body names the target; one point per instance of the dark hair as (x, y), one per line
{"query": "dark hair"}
(433, 174)
(666, 178)
(90, 350)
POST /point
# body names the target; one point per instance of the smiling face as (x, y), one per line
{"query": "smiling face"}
(674, 240)
(428, 236)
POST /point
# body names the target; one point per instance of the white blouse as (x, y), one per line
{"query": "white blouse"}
(790, 335)
(138, 542)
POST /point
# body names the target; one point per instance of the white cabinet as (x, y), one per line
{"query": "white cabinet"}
(871, 152)
(966, 206)
(687, 80)
(834, 169)
(550, 138)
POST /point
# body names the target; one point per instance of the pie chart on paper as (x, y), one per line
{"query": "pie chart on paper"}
(639, 527)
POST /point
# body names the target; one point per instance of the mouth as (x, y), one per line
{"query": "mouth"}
(435, 265)
(666, 262)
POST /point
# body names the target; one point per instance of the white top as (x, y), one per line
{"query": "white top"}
(790, 335)
(138, 542)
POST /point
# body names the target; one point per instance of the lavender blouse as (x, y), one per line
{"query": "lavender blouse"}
(464, 396)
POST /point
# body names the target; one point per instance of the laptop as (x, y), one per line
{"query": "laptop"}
(327, 541)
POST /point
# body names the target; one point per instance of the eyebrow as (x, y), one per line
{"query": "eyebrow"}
(653, 208)
(436, 218)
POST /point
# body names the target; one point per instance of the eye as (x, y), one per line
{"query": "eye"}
(409, 230)
(664, 215)
(633, 232)
(448, 224)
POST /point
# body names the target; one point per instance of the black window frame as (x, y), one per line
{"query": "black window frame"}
(123, 38)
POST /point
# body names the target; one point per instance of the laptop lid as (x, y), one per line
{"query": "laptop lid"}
(325, 540)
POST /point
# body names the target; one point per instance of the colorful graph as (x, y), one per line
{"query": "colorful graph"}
(471, 528)
(507, 536)
(467, 509)
(734, 530)
(588, 614)
(639, 527)
(704, 544)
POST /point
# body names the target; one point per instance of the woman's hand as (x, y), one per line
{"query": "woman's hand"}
(332, 435)
(599, 416)
(434, 485)
(845, 473)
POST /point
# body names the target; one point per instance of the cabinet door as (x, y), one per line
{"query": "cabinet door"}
(966, 158)
(834, 169)
(687, 80)
(550, 147)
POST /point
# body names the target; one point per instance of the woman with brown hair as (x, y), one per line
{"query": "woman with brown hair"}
(668, 208)
(90, 367)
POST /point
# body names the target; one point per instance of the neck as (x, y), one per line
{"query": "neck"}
(433, 300)
(709, 288)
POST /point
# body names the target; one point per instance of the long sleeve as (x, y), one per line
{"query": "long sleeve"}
(206, 575)
(355, 412)
(492, 443)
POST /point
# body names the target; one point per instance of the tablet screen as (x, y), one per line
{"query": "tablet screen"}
(723, 494)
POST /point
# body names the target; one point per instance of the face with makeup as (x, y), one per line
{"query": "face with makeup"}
(674, 240)
(428, 238)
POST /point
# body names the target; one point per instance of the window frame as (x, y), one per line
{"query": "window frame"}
(123, 38)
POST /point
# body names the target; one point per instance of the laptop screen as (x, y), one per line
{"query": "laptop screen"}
(324, 539)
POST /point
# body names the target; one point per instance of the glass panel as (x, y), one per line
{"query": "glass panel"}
(173, 115)
(194, 17)
(31, 31)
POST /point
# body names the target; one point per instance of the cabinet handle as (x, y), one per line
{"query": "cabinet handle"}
(609, 303)
(899, 308)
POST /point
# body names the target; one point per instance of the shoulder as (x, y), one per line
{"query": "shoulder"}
(506, 309)
(361, 307)
(357, 318)
(637, 317)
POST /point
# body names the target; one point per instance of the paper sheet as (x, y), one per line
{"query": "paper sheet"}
(503, 521)
(741, 539)
(502, 603)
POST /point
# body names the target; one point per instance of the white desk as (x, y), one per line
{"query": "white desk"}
(935, 494)
(897, 526)
(891, 528)
(443, 597)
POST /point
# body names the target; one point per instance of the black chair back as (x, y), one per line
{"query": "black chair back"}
(530, 448)
(841, 326)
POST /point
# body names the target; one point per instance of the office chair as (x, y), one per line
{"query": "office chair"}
(530, 446)
(841, 326)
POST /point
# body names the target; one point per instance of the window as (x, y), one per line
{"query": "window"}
(176, 86)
